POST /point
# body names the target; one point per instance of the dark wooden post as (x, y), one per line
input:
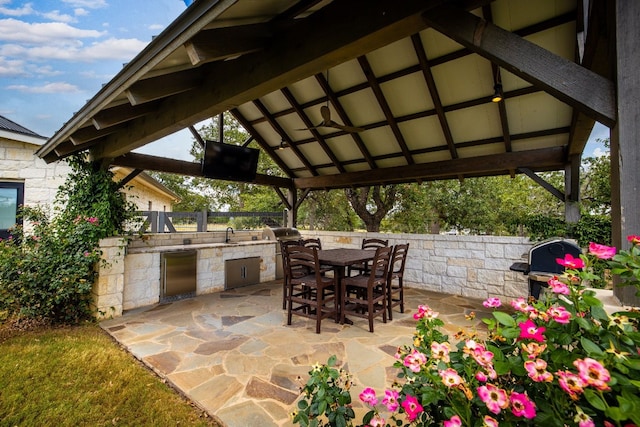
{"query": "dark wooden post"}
(625, 135)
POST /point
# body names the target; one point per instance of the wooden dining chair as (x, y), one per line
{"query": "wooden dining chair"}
(395, 290)
(310, 294)
(370, 243)
(316, 243)
(284, 246)
(365, 295)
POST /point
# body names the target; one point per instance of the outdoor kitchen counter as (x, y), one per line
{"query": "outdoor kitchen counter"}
(196, 246)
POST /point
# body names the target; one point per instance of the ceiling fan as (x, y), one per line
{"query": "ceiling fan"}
(328, 123)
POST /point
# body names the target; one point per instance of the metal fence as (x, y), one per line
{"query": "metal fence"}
(176, 222)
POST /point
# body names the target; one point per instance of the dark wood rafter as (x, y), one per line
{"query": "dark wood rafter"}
(122, 114)
(384, 106)
(196, 136)
(449, 169)
(569, 82)
(345, 120)
(497, 80)
(467, 144)
(262, 143)
(164, 86)
(124, 181)
(283, 198)
(285, 136)
(223, 43)
(338, 31)
(317, 136)
(543, 183)
(433, 91)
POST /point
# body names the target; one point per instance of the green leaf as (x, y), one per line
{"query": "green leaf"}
(511, 333)
(590, 347)
(504, 318)
(595, 400)
(332, 360)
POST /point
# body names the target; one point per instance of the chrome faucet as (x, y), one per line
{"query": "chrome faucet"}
(226, 234)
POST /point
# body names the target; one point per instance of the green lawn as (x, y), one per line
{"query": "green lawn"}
(78, 376)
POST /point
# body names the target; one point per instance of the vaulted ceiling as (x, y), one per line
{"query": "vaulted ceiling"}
(415, 77)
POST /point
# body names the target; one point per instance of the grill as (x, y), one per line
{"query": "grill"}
(279, 234)
(542, 264)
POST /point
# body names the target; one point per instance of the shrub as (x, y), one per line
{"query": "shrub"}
(49, 272)
(560, 361)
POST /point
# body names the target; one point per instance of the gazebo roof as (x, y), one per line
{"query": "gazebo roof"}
(416, 77)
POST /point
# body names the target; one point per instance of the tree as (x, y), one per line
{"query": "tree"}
(327, 210)
(381, 199)
(596, 183)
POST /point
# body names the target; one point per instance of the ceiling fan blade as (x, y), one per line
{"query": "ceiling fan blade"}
(350, 129)
(326, 115)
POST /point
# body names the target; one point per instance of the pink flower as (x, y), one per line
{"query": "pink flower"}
(415, 360)
(533, 349)
(521, 305)
(411, 407)
(570, 262)
(633, 239)
(522, 406)
(570, 383)
(424, 311)
(440, 351)
(559, 314)
(529, 330)
(537, 371)
(593, 373)
(602, 251)
(583, 419)
(450, 377)
(482, 356)
(377, 421)
(495, 398)
(481, 376)
(390, 400)
(368, 396)
(557, 286)
(489, 421)
(93, 220)
(492, 303)
(454, 421)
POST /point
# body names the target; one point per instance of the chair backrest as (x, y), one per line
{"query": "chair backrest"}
(302, 261)
(398, 260)
(285, 246)
(312, 243)
(380, 264)
(374, 243)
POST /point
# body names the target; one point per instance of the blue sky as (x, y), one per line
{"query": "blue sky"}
(55, 55)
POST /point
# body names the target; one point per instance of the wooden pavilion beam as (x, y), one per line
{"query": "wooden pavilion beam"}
(569, 82)
(553, 158)
(181, 167)
(338, 32)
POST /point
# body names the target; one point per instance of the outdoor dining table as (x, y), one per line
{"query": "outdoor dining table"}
(340, 259)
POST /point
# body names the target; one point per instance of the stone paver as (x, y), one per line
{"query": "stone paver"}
(234, 356)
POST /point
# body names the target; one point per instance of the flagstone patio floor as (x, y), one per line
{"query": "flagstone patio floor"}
(234, 356)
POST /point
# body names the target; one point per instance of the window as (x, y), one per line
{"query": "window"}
(11, 197)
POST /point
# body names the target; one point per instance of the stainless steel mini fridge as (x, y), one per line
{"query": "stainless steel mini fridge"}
(178, 274)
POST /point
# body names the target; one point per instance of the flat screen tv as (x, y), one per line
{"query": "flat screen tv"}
(231, 162)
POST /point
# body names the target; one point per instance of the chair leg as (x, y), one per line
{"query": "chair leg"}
(284, 294)
(401, 295)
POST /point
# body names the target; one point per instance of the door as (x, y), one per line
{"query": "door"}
(11, 198)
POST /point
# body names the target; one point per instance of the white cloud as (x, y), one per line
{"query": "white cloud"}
(599, 152)
(11, 67)
(59, 87)
(114, 49)
(90, 4)
(55, 15)
(80, 12)
(156, 27)
(17, 31)
(26, 9)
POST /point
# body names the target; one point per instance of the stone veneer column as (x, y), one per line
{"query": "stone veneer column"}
(108, 290)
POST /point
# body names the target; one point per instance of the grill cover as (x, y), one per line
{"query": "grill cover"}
(542, 256)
